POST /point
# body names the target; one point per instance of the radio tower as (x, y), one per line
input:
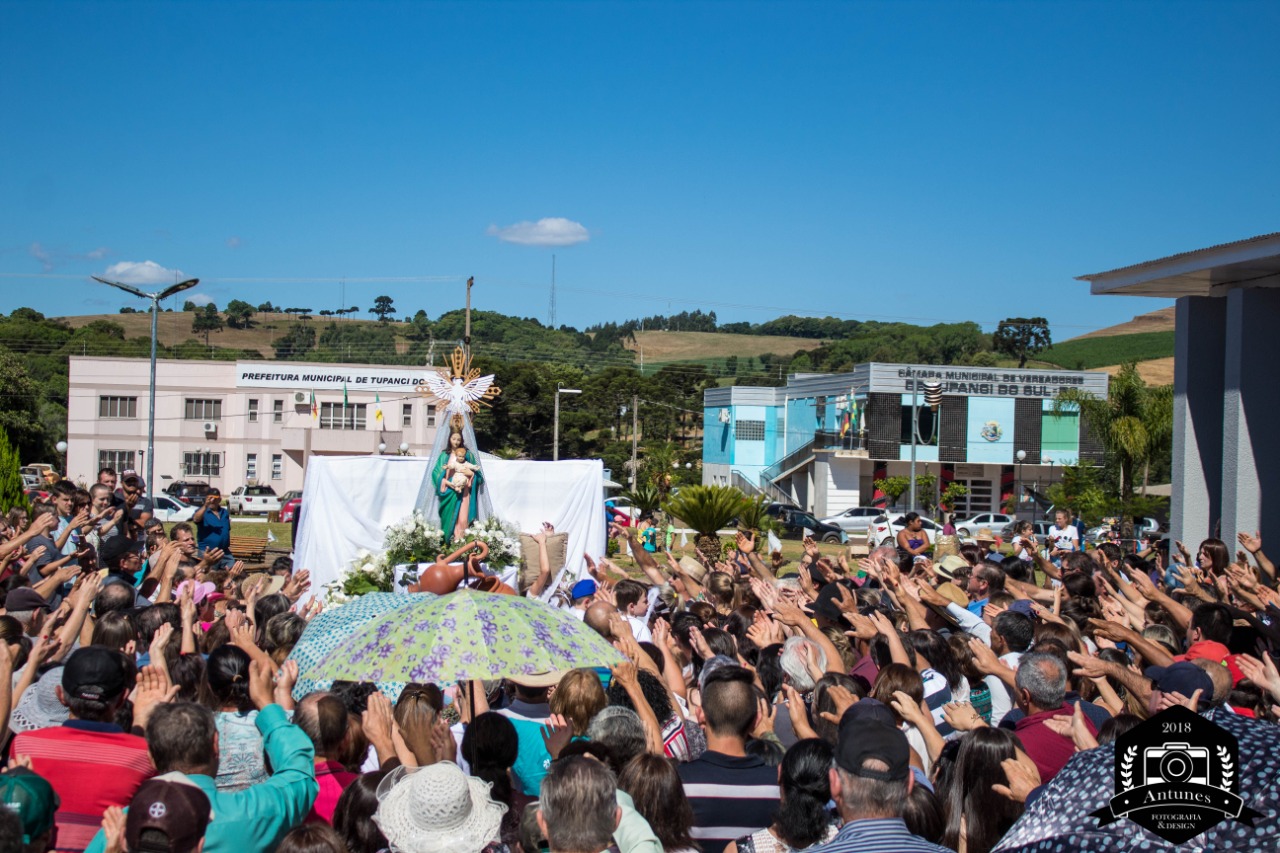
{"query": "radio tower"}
(551, 309)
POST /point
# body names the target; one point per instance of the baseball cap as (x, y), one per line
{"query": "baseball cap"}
(1023, 606)
(167, 813)
(93, 673)
(1183, 677)
(583, 588)
(25, 598)
(870, 709)
(864, 737)
(30, 797)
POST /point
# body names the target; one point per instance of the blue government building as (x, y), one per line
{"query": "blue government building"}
(823, 439)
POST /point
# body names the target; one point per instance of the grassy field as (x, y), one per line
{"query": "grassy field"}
(1093, 352)
(696, 346)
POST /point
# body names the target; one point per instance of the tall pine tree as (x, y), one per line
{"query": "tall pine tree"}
(11, 492)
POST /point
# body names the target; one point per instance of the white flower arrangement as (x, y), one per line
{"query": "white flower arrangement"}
(413, 539)
(502, 538)
(367, 572)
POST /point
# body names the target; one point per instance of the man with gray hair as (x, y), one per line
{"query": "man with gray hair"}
(795, 662)
(1041, 687)
(577, 806)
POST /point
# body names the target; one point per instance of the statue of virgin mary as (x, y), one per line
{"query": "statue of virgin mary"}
(456, 491)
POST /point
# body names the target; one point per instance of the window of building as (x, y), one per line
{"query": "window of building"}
(406, 416)
(251, 466)
(277, 466)
(928, 433)
(277, 411)
(253, 411)
(431, 416)
(120, 460)
(199, 464)
(748, 430)
(203, 410)
(338, 416)
(117, 407)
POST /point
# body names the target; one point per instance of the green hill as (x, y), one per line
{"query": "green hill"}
(1093, 352)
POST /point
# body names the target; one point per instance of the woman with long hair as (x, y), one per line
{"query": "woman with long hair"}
(802, 820)
(978, 817)
(353, 816)
(490, 746)
(578, 698)
(658, 794)
(240, 762)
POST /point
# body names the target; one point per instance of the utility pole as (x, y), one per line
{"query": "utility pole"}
(915, 414)
(635, 436)
(466, 335)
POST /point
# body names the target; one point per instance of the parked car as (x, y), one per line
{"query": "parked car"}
(189, 492)
(794, 523)
(45, 474)
(31, 480)
(1039, 529)
(251, 500)
(884, 528)
(1102, 532)
(990, 520)
(777, 509)
(289, 503)
(855, 520)
(169, 510)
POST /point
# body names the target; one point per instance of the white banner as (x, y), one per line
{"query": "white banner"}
(327, 377)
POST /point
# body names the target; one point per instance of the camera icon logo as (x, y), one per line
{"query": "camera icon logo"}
(1173, 763)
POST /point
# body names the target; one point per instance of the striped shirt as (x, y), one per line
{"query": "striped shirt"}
(731, 797)
(878, 835)
(936, 694)
(91, 766)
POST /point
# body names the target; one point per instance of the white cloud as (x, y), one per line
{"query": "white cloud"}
(144, 272)
(233, 242)
(201, 299)
(41, 254)
(551, 231)
(98, 253)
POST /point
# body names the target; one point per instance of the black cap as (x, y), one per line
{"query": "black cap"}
(112, 549)
(176, 810)
(94, 673)
(25, 598)
(825, 604)
(863, 737)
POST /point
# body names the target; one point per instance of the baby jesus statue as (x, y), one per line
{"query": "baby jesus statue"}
(459, 471)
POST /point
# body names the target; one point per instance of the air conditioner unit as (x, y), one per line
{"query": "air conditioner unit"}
(210, 426)
(299, 397)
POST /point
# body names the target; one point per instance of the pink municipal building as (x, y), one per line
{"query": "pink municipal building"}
(235, 423)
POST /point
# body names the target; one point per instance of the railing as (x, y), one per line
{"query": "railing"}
(794, 459)
(744, 485)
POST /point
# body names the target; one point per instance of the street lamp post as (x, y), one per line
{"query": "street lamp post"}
(555, 446)
(151, 409)
(61, 447)
(1017, 488)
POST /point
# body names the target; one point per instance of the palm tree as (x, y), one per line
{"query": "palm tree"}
(644, 497)
(706, 509)
(1134, 423)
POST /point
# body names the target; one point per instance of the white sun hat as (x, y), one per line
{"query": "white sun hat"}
(437, 809)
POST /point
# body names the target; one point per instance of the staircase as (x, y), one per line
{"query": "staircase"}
(788, 464)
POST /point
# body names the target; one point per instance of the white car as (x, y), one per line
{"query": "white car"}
(251, 500)
(884, 529)
(170, 511)
(993, 521)
(855, 519)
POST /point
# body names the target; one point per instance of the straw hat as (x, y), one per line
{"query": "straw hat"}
(984, 535)
(437, 809)
(953, 593)
(949, 565)
(693, 568)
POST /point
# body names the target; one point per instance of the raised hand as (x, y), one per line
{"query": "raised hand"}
(1022, 777)
(961, 716)
(1073, 727)
(260, 687)
(556, 734)
(843, 700)
(1261, 672)
(286, 678)
(746, 542)
(1252, 544)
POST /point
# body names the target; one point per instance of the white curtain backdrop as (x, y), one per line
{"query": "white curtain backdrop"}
(348, 501)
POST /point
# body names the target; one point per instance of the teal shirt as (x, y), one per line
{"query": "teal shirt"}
(255, 819)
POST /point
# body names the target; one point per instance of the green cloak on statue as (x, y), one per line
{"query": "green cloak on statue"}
(451, 502)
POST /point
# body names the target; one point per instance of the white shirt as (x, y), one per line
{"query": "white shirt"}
(1064, 539)
(640, 629)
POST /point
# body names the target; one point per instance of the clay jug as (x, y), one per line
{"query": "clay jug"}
(444, 575)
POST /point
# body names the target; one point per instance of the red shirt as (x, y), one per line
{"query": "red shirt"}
(333, 781)
(1048, 749)
(91, 766)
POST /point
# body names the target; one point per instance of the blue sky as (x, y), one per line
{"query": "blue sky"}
(906, 160)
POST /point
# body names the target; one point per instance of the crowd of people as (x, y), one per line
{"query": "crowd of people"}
(905, 701)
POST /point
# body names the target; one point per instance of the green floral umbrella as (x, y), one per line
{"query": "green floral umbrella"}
(466, 635)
